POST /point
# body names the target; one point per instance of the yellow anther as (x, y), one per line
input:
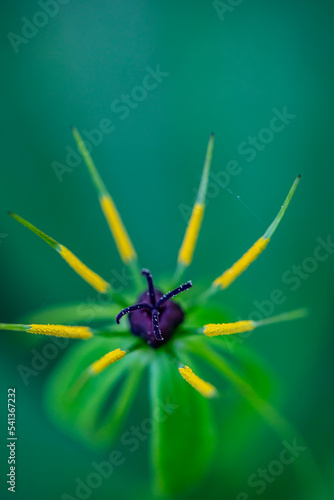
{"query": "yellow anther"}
(211, 330)
(252, 254)
(207, 390)
(241, 265)
(121, 237)
(190, 239)
(72, 332)
(109, 358)
(194, 225)
(79, 267)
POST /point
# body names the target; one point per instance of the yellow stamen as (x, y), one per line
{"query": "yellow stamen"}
(211, 330)
(194, 225)
(190, 238)
(123, 242)
(241, 265)
(87, 274)
(72, 332)
(252, 254)
(121, 237)
(207, 390)
(105, 361)
(79, 267)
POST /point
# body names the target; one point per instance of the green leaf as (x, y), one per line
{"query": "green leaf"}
(310, 477)
(94, 409)
(183, 433)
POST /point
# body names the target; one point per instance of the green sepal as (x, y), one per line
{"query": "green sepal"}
(226, 369)
(80, 313)
(183, 432)
(239, 419)
(254, 369)
(94, 408)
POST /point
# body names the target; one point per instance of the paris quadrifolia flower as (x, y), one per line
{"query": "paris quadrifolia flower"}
(174, 335)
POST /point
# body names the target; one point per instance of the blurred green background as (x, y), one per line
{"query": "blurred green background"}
(226, 68)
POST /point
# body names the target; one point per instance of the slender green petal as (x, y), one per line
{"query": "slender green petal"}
(14, 327)
(272, 228)
(50, 241)
(280, 318)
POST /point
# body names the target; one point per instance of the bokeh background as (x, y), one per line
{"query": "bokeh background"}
(227, 67)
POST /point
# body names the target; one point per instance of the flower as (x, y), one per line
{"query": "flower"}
(163, 335)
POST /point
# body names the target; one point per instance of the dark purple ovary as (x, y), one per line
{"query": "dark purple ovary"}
(154, 317)
(170, 317)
